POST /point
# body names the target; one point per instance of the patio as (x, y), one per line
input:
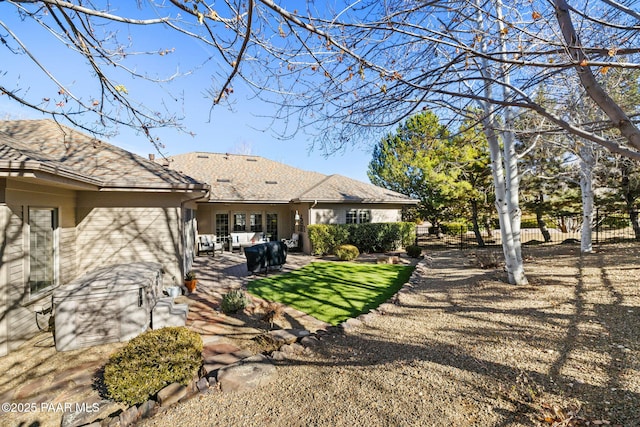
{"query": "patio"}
(37, 374)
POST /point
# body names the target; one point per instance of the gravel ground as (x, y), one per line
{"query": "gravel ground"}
(463, 348)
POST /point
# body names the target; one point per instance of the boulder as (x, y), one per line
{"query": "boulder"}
(171, 394)
(247, 374)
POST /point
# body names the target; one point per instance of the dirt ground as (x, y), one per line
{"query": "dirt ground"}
(463, 348)
(460, 348)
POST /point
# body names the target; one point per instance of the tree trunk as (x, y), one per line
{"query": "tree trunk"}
(512, 183)
(635, 222)
(542, 225)
(587, 162)
(506, 184)
(474, 220)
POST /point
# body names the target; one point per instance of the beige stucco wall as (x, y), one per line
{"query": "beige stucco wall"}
(124, 227)
(16, 303)
(337, 213)
(95, 229)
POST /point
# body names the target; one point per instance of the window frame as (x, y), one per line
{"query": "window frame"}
(35, 292)
(236, 225)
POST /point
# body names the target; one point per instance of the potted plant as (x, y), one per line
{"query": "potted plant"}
(190, 280)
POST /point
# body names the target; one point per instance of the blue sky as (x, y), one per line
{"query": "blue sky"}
(244, 130)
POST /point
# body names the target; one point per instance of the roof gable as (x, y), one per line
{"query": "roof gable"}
(242, 178)
(344, 189)
(49, 146)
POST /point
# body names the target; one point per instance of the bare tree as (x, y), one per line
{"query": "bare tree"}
(349, 69)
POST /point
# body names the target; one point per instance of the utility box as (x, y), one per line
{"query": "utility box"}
(110, 304)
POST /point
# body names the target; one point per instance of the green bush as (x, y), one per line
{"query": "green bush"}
(347, 252)
(234, 301)
(367, 237)
(453, 228)
(325, 237)
(150, 362)
(414, 251)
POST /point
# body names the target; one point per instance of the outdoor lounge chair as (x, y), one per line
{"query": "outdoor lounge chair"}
(209, 243)
(292, 244)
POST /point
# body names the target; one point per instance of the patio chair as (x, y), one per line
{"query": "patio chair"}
(292, 244)
(208, 243)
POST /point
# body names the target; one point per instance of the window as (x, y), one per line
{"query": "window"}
(222, 225)
(272, 226)
(358, 216)
(239, 222)
(352, 216)
(43, 223)
(364, 215)
(255, 222)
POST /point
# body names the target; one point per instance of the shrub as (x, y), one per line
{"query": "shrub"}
(320, 238)
(453, 228)
(347, 252)
(234, 301)
(367, 237)
(150, 362)
(414, 251)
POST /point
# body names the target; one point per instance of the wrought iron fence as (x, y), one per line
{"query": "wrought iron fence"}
(608, 227)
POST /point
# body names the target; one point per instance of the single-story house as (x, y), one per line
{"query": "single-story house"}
(69, 204)
(254, 194)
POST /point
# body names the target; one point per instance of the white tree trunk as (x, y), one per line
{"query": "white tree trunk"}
(587, 163)
(511, 164)
(505, 170)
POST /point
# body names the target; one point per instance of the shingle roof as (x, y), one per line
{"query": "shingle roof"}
(242, 178)
(44, 145)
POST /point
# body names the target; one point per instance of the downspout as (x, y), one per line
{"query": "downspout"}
(315, 202)
(181, 227)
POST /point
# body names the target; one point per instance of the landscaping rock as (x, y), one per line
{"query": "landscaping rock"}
(367, 317)
(89, 411)
(248, 374)
(350, 324)
(218, 355)
(202, 384)
(278, 356)
(171, 394)
(129, 417)
(294, 348)
(310, 341)
(288, 336)
(147, 409)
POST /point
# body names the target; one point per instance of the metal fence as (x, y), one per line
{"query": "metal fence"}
(609, 227)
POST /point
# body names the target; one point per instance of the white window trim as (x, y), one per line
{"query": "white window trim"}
(56, 253)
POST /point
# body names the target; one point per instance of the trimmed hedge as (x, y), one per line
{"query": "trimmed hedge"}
(368, 237)
(347, 252)
(152, 361)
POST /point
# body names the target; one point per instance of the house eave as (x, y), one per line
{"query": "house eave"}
(358, 200)
(214, 199)
(155, 188)
(58, 178)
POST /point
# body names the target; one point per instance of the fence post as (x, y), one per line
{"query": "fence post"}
(597, 225)
(461, 239)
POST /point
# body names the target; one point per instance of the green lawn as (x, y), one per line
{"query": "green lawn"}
(334, 291)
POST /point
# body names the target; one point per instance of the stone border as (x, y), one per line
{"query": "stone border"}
(246, 372)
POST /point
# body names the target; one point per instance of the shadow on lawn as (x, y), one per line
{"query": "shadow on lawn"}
(333, 293)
